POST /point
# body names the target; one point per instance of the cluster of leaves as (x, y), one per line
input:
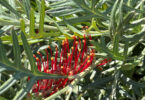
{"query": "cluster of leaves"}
(118, 31)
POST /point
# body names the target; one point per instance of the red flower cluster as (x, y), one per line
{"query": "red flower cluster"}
(69, 61)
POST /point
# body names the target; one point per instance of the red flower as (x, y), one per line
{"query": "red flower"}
(103, 62)
(68, 61)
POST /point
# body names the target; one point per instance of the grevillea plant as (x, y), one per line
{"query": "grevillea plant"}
(74, 66)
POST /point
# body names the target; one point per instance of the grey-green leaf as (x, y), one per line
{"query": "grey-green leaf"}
(60, 29)
(42, 15)
(32, 22)
(116, 44)
(16, 49)
(3, 57)
(8, 6)
(112, 18)
(28, 52)
(75, 30)
(27, 7)
(20, 95)
(11, 81)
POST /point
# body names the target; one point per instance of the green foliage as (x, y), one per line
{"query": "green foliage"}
(118, 32)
